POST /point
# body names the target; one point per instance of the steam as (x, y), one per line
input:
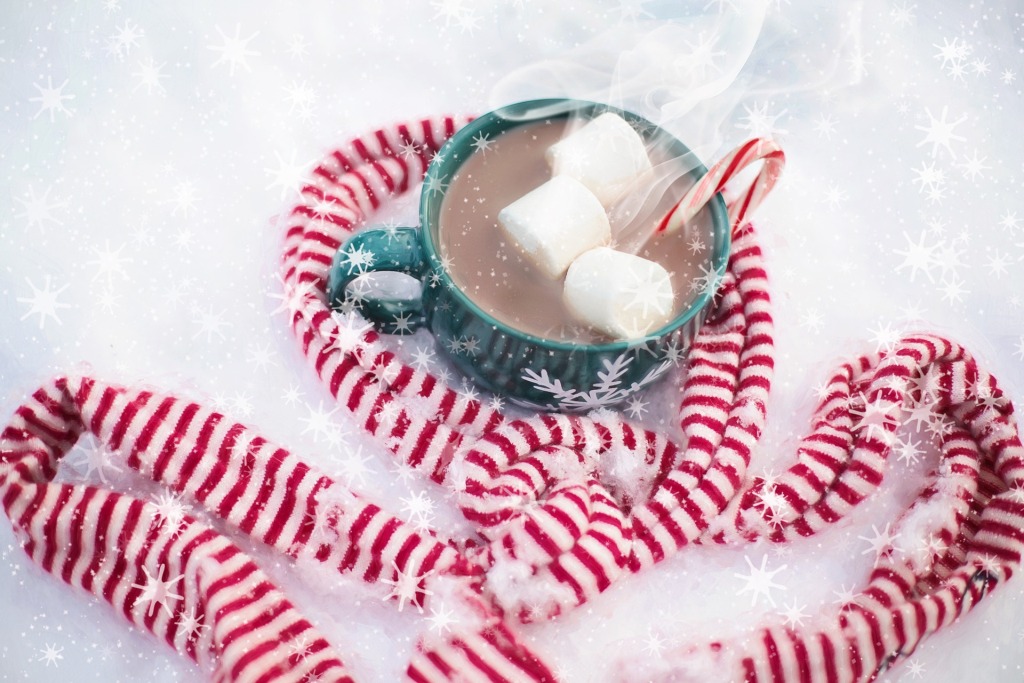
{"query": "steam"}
(707, 77)
(672, 74)
(691, 68)
(634, 215)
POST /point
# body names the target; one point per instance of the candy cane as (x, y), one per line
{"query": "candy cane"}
(756, 149)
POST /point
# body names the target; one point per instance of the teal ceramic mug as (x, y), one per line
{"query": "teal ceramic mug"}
(528, 370)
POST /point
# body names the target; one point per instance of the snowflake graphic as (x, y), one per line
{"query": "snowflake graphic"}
(434, 184)
(470, 346)
(39, 210)
(51, 654)
(773, 502)
(702, 56)
(156, 591)
(453, 12)
(289, 175)
(109, 263)
(939, 132)
(354, 467)
(98, 460)
(794, 615)
(706, 282)
(442, 619)
(300, 647)
(482, 143)
(606, 391)
(633, 10)
(406, 588)
(885, 337)
(973, 168)
(298, 47)
(320, 422)
(881, 543)
(409, 149)
(636, 407)
(127, 37)
(423, 359)
(929, 177)
(357, 259)
(825, 126)
(169, 510)
(952, 52)
(674, 352)
(759, 581)
(418, 508)
(650, 291)
(51, 99)
(918, 256)
(43, 302)
(149, 75)
(234, 50)
(877, 419)
(908, 452)
(722, 5)
(655, 644)
(210, 324)
(185, 194)
(191, 624)
(301, 98)
(350, 331)
(760, 122)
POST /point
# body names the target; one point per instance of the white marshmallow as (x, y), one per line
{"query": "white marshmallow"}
(606, 155)
(555, 223)
(622, 295)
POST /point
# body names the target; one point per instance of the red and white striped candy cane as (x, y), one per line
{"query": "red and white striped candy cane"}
(719, 175)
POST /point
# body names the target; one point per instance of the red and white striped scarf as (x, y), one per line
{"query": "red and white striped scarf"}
(556, 530)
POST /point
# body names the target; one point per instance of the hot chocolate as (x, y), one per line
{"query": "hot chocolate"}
(499, 279)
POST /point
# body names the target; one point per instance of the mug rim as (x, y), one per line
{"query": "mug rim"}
(563, 107)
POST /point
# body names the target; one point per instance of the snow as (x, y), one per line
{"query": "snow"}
(626, 477)
(449, 610)
(516, 587)
(148, 149)
(917, 540)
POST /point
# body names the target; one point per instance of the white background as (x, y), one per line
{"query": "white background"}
(145, 193)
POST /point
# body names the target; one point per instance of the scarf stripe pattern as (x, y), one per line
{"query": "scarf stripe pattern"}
(577, 536)
(175, 576)
(559, 520)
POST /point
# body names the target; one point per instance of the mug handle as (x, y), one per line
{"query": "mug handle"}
(376, 250)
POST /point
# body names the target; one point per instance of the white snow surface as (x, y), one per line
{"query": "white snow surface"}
(148, 149)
